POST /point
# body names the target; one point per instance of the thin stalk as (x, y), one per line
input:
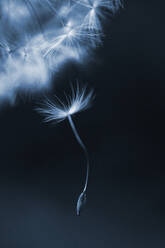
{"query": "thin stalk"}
(82, 197)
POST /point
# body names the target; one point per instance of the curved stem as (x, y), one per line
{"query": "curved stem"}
(84, 149)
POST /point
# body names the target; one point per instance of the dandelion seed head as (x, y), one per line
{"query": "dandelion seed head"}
(39, 37)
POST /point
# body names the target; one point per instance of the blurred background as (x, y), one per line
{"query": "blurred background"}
(42, 168)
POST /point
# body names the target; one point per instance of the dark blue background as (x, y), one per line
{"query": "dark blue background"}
(42, 166)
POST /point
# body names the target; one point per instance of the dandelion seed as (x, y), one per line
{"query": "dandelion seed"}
(79, 100)
(95, 12)
(72, 38)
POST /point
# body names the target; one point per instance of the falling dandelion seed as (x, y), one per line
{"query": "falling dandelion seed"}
(80, 100)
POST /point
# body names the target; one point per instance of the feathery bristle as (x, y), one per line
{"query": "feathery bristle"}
(57, 110)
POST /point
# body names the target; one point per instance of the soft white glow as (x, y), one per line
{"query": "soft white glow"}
(39, 36)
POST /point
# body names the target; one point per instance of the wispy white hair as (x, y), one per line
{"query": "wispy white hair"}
(40, 36)
(95, 12)
(57, 111)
